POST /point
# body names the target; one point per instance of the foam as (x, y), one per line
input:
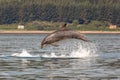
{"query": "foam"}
(24, 53)
(77, 51)
(74, 50)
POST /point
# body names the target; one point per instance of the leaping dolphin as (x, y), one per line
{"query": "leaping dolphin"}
(61, 34)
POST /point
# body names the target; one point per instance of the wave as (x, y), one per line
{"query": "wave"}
(74, 50)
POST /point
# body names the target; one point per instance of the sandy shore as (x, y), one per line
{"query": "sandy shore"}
(47, 32)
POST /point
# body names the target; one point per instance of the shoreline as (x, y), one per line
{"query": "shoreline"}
(48, 32)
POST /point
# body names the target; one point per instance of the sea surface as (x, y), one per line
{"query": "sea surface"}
(21, 58)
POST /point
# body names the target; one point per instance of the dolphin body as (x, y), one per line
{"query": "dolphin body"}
(61, 34)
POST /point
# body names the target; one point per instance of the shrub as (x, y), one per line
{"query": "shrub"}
(99, 25)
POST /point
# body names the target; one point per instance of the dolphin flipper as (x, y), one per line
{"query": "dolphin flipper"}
(55, 44)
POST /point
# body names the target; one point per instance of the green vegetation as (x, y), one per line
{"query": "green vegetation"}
(90, 14)
(8, 27)
(45, 25)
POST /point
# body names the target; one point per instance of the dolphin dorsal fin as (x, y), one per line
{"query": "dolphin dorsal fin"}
(63, 27)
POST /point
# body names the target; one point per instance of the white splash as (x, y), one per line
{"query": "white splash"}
(77, 51)
(53, 55)
(24, 53)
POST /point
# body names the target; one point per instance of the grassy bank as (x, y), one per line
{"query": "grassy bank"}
(47, 32)
(48, 26)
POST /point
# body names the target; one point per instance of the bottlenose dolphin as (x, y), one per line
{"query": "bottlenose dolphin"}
(61, 34)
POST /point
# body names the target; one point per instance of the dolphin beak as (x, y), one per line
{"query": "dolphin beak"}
(42, 46)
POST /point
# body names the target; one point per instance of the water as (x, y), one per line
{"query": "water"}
(22, 59)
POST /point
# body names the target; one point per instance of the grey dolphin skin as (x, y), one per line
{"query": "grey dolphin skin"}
(61, 34)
